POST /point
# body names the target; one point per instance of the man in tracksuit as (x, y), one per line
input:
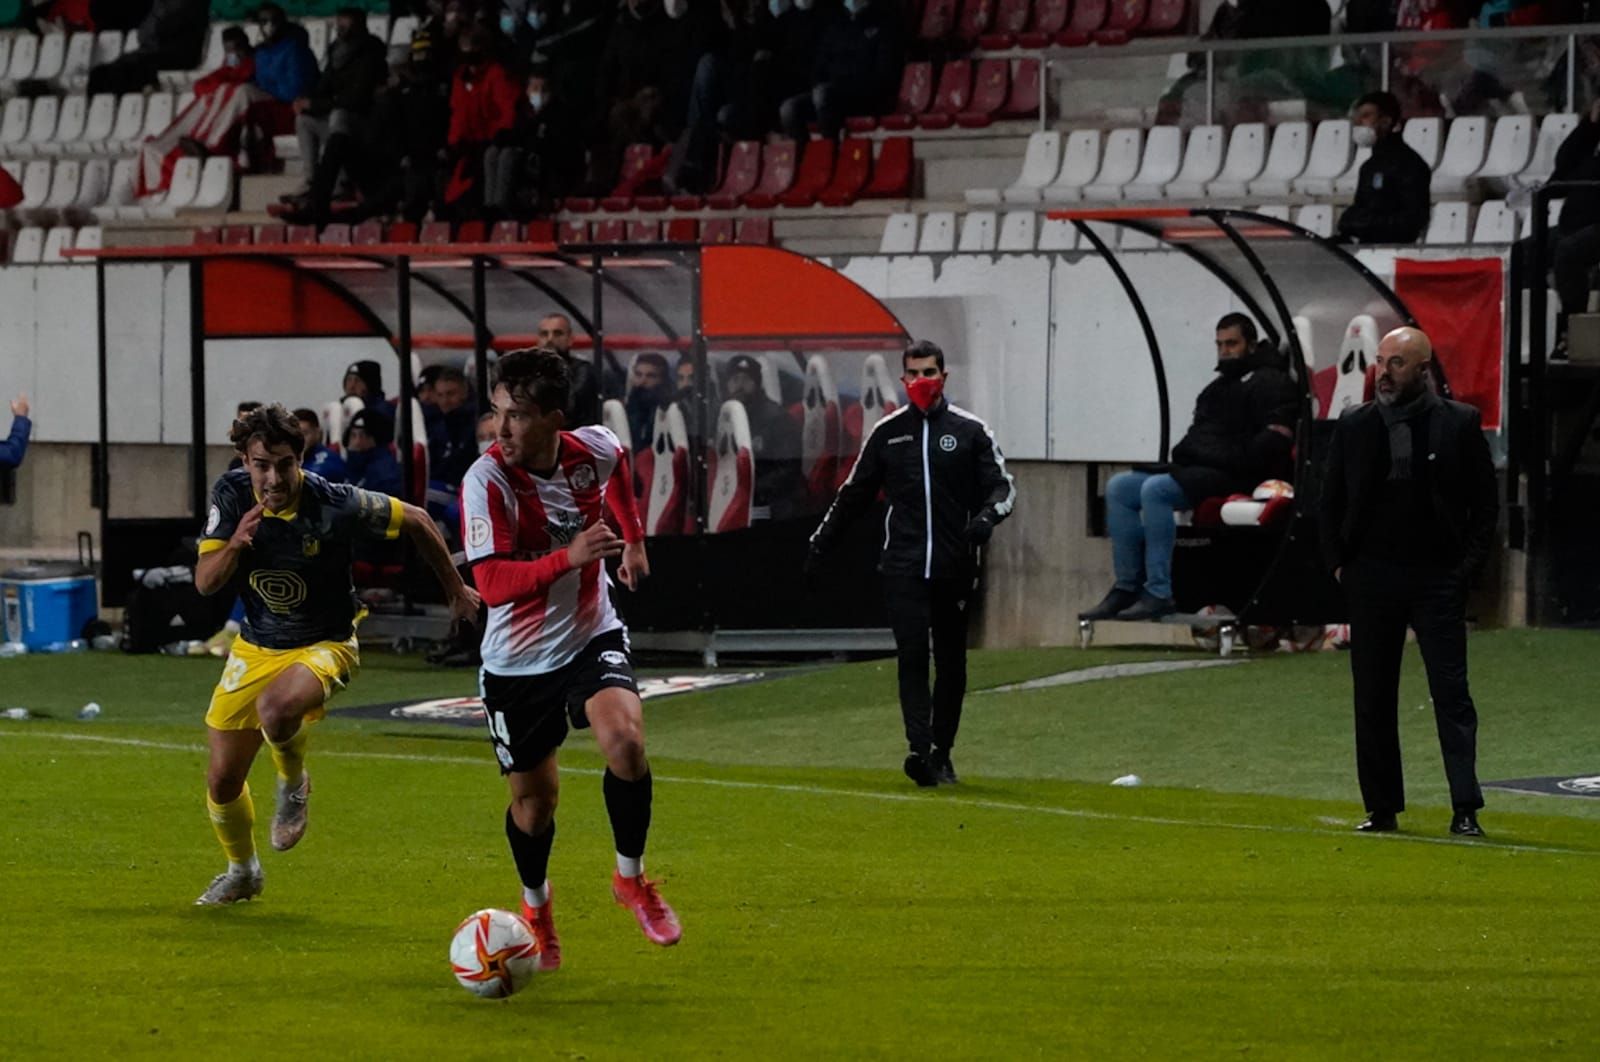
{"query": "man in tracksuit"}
(947, 487)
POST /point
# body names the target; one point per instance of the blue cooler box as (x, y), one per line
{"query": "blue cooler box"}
(46, 605)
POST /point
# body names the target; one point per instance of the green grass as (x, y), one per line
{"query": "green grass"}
(830, 909)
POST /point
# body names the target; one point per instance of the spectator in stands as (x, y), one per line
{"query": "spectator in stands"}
(642, 52)
(16, 443)
(411, 119)
(536, 160)
(453, 442)
(1242, 434)
(319, 457)
(369, 455)
(286, 68)
(172, 37)
(1392, 197)
(857, 70)
(1572, 248)
(774, 440)
(481, 145)
(583, 407)
(691, 400)
(486, 432)
(333, 121)
(648, 391)
(364, 380)
(213, 121)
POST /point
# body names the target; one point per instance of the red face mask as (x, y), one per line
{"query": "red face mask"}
(924, 391)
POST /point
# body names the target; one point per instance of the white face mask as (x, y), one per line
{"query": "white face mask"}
(1363, 136)
(804, 5)
(778, 7)
(536, 100)
(508, 24)
(676, 8)
(233, 59)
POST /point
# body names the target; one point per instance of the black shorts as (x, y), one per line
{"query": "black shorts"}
(528, 714)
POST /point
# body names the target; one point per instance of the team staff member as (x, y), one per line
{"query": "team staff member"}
(1392, 193)
(16, 444)
(947, 486)
(1408, 515)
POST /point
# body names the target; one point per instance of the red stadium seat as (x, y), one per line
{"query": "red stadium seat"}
(435, 232)
(731, 472)
(1124, 19)
(574, 232)
(777, 175)
(367, 233)
(505, 232)
(938, 19)
(402, 232)
(540, 231)
(1010, 20)
(990, 87)
(950, 98)
(974, 21)
(1023, 100)
(300, 234)
(850, 174)
(336, 235)
(1165, 17)
(916, 92)
(206, 237)
(269, 234)
(610, 231)
(666, 504)
(578, 205)
(642, 166)
(1088, 16)
(1049, 19)
(682, 230)
(811, 180)
(717, 230)
(472, 232)
(738, 180)
(644, 231)
(236, 235)
(754, 231)
(891, 177)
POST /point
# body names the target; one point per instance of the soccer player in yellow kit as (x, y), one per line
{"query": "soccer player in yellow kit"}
(287, 533)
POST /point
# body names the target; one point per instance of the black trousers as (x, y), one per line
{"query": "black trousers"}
(1385, 598)
(916, 608)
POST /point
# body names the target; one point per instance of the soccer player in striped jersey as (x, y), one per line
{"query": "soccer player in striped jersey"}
(534, 512)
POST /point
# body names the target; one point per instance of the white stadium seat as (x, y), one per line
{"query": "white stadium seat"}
(57, 240)
(107, 47)
(216, 184)
(1017, 231)
(1425, 135)
(938, 234)
(24, 57)
(1080, 161)
(35, 185)
(125, 133)
(1119, 166)
(98, 123)
(119, 191)
(1315, 218)
(41, 126)
(96, 184)
(1202, 161)
(14, 124)
(1057, 234)
(1040, 163)
(130, 43)
(1451, 224)
(1329, 157)
(978, 234)
(1552, 131)
(1510, 147)
(1163, 158)
(65, 183)
(79, 58)
(89, 238)
(1462, 157)
(899, 234)
(29, 246)
(52, 57)
(69, 125)
(1247, 154)
(185, 98)
(1497, 223)
(1346, 182)
(317, 32)
(400, 33)
(1279, 211)
(1286, 160)
(158, 112)
(5, 54)
(378, 25)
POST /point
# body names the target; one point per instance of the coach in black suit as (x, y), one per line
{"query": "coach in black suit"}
(1408, 514)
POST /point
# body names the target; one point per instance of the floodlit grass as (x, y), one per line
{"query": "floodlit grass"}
(830, 909)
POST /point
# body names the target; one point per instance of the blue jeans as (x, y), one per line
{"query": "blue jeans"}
(1140, 510)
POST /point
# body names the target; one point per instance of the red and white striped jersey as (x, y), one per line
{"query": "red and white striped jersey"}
(508, 513)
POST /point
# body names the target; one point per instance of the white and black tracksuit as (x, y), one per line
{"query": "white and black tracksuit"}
(942, 473)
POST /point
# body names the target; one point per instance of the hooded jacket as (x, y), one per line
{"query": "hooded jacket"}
(1232, 445)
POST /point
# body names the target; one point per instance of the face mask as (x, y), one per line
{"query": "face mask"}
(536, 100)
(1363, 136)
(854, 6)
(924, 391)
(804, 5)
(508, 24)
(777, 7)
(232, 60)
(536, 20)
(676, 8)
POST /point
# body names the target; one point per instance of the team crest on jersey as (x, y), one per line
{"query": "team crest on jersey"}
(213, 520)
(478, 531)
(583, 477)
(614, 658)
(310, 545)
(564, 527)
(947, 443)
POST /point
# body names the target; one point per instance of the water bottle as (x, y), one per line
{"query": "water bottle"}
(12, 649)
(16, 713)
(89, 711)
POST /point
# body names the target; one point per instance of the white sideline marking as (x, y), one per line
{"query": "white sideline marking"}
(861, 794)
(1110, 671)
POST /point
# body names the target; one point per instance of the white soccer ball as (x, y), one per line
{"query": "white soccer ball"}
(493, 953)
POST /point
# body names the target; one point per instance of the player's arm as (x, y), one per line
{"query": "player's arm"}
(419, 529)
(227, 535)
(860, 489)
(624, 513)
(996, 487)
(502, 581)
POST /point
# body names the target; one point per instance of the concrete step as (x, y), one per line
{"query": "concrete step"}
(258, 191)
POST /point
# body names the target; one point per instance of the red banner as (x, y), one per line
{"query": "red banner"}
(1459, 304)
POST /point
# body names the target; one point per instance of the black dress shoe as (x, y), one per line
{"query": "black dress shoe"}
(1111, 604)
(920, 770)
(1148, 607)
(943, 770)
(1378, 822)
(1464, 823)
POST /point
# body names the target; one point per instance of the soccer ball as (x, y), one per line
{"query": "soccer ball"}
(493, 953)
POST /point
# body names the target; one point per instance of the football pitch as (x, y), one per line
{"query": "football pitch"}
(830, 909)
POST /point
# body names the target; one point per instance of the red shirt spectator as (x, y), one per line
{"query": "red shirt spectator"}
(483, 106)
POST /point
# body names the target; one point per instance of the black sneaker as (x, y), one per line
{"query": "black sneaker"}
(943, 770)
(1464, 823)
(920, 770)
(1111, 604)
(1149, 607)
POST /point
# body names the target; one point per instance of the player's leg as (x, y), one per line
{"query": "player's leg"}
(232, 814)
(1378, 613)
(283, 707)
(906, 601)
(949, 608)
(531, 832)
(618, 720)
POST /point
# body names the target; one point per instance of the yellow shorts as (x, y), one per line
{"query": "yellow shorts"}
(250, 669)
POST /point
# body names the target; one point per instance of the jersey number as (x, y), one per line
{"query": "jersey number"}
(233, 674)
(498, 729)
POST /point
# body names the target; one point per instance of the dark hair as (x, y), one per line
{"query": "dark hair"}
(650, 357)
(304, 415)
(237, 36)
(273, 425)
(1246, 327)
(247, 406)
(1388, 104)
(270, 9)
(449, 374)
(923, 348)
(536, 375)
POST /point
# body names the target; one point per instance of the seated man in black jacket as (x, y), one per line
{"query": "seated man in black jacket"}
(333, 123)
(1243, 433)
(774, 442)
(1572, 249)
(1392, 196)
(856, 70)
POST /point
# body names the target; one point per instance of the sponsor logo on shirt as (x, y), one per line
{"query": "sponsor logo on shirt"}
(614, 658)
(900, 439)
(563, 527)
(282, 591)
(947, 443)
(213, 520)
(478, 532)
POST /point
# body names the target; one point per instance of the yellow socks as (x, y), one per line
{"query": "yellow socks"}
(290, 757)
(235, 825)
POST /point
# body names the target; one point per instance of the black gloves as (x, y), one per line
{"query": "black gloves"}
(980, 529)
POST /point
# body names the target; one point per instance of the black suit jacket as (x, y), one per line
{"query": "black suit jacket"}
(1461, 473)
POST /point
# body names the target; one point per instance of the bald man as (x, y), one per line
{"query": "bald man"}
(1408, 514)
(583, 401)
